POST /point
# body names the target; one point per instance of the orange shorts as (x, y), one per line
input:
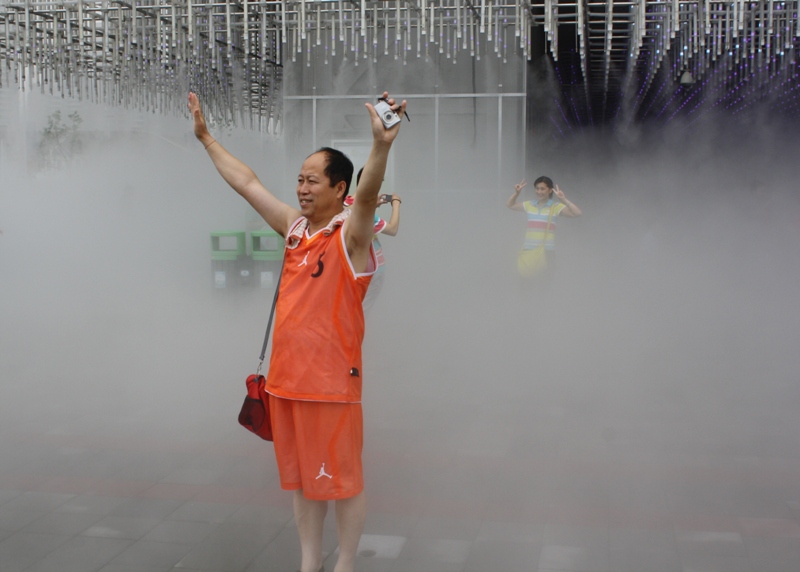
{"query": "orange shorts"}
(318, 447)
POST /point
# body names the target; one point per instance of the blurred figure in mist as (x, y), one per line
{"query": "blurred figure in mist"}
(389, 228)
(536, 262)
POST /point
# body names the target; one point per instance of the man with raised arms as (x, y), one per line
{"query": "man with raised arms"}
(315, 368)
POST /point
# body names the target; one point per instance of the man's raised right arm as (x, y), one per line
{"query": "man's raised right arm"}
(241, 178)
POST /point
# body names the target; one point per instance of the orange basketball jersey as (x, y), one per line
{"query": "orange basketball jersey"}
(319, 322)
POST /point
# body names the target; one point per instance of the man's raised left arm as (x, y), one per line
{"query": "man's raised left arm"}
(359, 226)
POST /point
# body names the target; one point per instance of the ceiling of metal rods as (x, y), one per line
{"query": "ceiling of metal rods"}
(147, 54)
(641, 58)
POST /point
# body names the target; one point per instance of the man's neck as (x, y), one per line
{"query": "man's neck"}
(320, 222)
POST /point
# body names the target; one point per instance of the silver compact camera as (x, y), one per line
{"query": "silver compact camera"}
(386, 114)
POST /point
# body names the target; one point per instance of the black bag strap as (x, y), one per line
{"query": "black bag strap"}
(271, 315)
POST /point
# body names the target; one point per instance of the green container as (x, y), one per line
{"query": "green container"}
(229, 264)
(266, 250)
(229, 245)
(266, 245)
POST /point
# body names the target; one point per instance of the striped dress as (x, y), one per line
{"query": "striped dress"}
(537, 224)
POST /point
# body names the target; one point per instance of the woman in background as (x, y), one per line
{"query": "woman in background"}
(536, 261)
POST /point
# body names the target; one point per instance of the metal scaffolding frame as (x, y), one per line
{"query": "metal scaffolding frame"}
(148, 54)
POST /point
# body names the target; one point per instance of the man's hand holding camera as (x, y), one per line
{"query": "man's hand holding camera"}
(380, 132)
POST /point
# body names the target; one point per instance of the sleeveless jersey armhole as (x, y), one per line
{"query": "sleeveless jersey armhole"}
(372, 262)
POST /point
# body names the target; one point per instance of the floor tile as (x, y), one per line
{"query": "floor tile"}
(14, 520)
(645, 560)
(572, 535)
(710, 542)
(153, 554)
(283, 553)
(380, 546)
(574, 558)
(23, 549)
(257, 514)
(146, 508)
(36, 502)
(406, 565)
(389, 523)
(8, 494)
(136, 568)
(90, 504)
(203, 512)
(716, 563)
(455, 529)
(62, 523)
(499, 555)
(171, 491)
(436, 550)
(230, 546)
(366, 564)
(648, 539)
(80, 554)
(180, 532)
(770, 527)
(130, 527)
(493, 531)
(773, 554)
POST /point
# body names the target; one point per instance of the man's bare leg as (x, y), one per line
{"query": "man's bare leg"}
(310, 516)
(350, 516)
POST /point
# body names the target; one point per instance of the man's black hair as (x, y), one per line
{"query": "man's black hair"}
(338, 169)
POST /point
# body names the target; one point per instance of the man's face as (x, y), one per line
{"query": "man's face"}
(316, 195)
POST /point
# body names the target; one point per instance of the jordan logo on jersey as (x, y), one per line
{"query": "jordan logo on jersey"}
(322, 473)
